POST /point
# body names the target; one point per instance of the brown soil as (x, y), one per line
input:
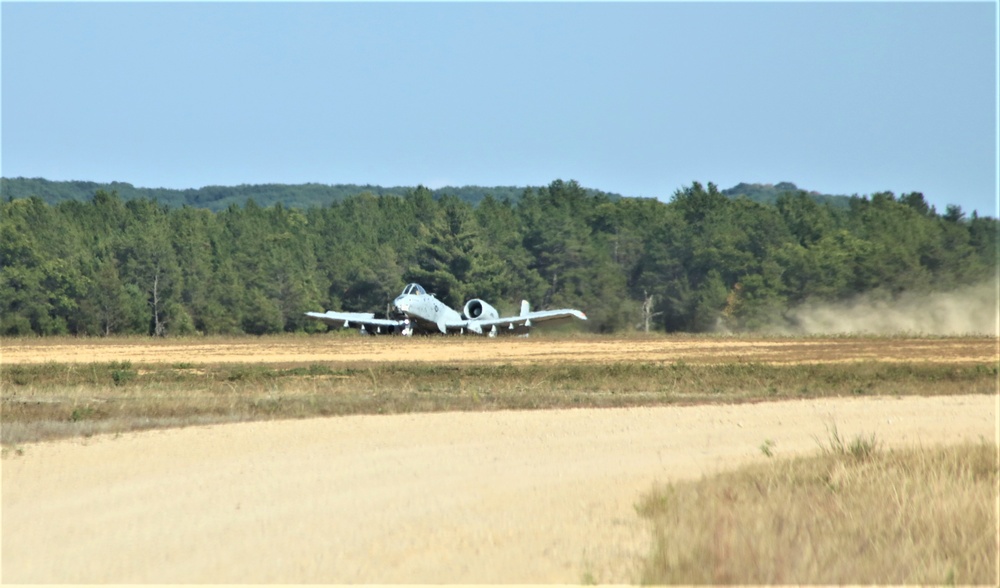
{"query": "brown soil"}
(327, 349)
(498, 497)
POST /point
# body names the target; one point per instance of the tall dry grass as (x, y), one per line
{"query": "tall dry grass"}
(46, 401)
(914, 516)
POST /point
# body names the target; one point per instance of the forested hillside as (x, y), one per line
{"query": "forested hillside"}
(700, 262)
(219, 198)
(306, 195)
(769, 193)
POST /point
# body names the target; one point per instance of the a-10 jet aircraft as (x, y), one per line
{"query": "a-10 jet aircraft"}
(423, 313)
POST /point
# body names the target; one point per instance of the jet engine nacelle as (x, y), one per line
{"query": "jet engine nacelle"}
(476, 309)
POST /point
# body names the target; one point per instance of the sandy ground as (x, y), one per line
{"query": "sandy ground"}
(351, 349)
(499, 497)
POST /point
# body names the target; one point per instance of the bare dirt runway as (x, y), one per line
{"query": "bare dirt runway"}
(499, 497)
(361, 350)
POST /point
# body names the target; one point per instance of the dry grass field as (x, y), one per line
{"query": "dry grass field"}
(67, 388)
(906, 516)
(441, 468)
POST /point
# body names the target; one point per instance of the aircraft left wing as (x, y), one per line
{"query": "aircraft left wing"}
(365, 321)
(524, 321)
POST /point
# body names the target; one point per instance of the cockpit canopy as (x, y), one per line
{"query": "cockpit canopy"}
(414, 289)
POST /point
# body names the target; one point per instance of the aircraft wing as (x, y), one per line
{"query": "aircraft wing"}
(522, 322)
(358, 320)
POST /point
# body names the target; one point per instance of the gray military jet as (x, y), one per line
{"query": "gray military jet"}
(423, 313)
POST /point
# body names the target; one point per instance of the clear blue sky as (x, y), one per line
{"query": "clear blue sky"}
(639, 99)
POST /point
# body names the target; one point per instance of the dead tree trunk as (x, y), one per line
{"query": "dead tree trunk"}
(159, 327)
(647, 310)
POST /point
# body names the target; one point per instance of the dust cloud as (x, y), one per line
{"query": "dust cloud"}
(971, 310)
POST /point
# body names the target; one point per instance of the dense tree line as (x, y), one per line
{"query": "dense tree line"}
(219, 198)
(703, 260)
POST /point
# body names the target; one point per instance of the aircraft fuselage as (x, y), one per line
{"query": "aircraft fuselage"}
(427, 312)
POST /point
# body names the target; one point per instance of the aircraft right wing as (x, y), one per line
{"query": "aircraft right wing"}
(365, 321)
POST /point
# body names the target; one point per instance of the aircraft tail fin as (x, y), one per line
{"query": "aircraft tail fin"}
(525, 308)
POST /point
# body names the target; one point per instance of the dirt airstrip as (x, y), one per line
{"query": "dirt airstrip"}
(497, 497)
(356, 349)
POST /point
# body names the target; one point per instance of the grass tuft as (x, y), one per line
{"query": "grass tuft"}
(767, 448)
(860, 447)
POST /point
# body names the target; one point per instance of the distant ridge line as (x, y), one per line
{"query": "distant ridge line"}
(312, 194)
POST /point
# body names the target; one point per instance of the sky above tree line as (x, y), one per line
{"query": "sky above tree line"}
(635, 98)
